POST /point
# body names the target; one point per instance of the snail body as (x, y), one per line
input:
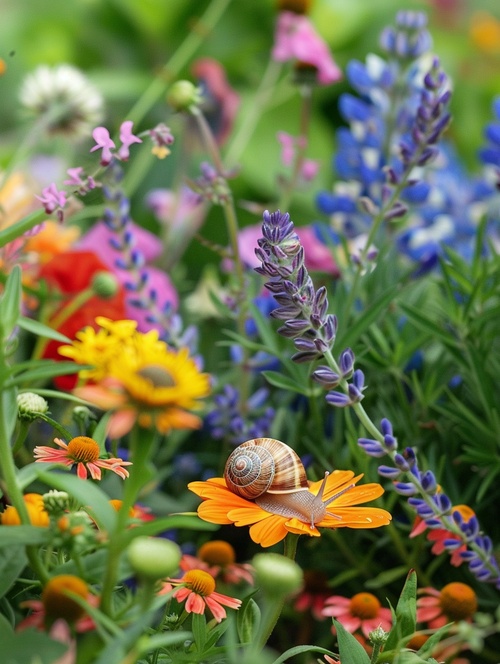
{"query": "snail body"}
(271, 474)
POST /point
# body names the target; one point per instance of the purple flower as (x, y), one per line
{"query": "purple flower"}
(53, 200)
(127, 138)
(103, 142)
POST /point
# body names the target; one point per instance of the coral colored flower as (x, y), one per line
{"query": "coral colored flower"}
(220, 505)
(37, 514)
(218, 558)
(84, 452)
(439, 536)
(139, 377)
(362, 611)
(456, 601)
(296, 39)
(198, 590)
(314, 593)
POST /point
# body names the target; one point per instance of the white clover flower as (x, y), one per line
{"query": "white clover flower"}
(64, 99)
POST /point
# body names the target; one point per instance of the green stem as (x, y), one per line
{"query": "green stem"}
(10, 476)
(273, 610)
(183, 54)
(21, 436)
(139, 454)
(16, 230)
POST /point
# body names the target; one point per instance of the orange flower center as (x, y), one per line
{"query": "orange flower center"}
(465, 512)
(199, 582)
(83, 449)
(158, 376)
(364, 606)
(417, 641)
(57, 603)
(458, 601)
(217, 552)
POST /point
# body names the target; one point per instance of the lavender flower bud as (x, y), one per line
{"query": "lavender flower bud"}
(429, 484)
(346, 362)
(372, 447)
(405, 488)
(338, 399)
(390, 473)
(326, 377)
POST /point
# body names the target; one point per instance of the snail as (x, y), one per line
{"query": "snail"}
(271, 474)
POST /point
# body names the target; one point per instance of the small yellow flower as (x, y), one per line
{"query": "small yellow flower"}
(38, 516)
(138, 376)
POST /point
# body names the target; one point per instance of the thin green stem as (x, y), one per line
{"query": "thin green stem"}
(184, 53)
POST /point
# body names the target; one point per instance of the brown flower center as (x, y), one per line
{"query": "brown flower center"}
(158, 376)
(458, 601)
(217, 552)
(83, 449)
(57, 603)
(199, 582)
(364, 606)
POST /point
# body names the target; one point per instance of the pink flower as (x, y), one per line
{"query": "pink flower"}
(455, 601)
(220, 102)
(75, 180)
(177, 210)
(363, 611)
(198, 591)
(317, 255)
(53, 199)
(287, 147)
(314, 594)
(218, 558)
(103, 142)
(439, 536)
(127, 138)
(99, 239)
(84, 452)
(296, 39)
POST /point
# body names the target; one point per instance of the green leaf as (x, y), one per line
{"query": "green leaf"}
(49, 369)
(199, 627)
(41, 330)
(93, 499)
(23, 535)
(12, 562)
(350, 650)
(297, 650)
(10, 302)
(284, 382)
(163, 641)
(248, 620)
(8, 413)
(406, 612)
(31, 646)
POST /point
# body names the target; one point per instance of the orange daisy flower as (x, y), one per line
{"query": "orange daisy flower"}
(198, 591)
(220, 505)
(84, 452)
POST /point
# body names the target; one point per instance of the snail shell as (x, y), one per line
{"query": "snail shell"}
(264, 465)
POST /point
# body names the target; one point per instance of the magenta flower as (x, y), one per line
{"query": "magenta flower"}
(76, 180)
(296, 39)
(127, 138)
(103, 142)
(52, 200)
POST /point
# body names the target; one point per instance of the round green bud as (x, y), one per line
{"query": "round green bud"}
(378, 636)
(277, 575)
(56, 502)
(183, 96)
(105, 285)
(30, 406)
(153, 558)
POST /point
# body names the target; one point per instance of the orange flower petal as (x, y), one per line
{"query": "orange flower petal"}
(300, 528)
(269, 531)
(213, 512)
(244, 516)
(356, 517)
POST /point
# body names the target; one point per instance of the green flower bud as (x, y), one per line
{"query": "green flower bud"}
(276, 574)
(184, 96)
(56, 502)
(105, 285)
(153, 558)
(31, 406)
(378, 636)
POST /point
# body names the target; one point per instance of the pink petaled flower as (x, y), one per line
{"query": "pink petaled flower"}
(127, 138)
(53, 199)
(198, 591)
(296, 39)
(456, 601)
(75, 180)
(362, 611)
(314, 594)
(103, 140)
(218, 558)
(309, 170)
(220, 102)
(440, 536)
(84, 452)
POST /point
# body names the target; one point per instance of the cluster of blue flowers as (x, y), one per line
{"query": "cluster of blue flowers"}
(390, 159)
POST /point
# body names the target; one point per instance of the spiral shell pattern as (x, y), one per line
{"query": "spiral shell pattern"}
(264, 465)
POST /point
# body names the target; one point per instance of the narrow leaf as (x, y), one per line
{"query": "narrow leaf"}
(41, 330)
(406, 612)
(248, 620)
(350, 650)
